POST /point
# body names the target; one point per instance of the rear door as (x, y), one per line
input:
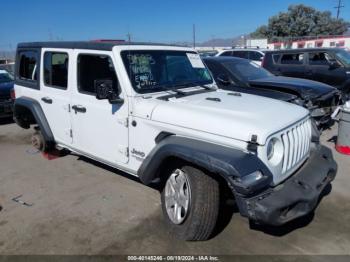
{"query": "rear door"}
(100, 129)
(319, 69)
(55, 88)
(292, 65)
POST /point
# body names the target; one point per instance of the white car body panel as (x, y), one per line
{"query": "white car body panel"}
(107, 133)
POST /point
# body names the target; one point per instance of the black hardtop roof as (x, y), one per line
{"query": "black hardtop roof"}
(303, 50)
(94, 45)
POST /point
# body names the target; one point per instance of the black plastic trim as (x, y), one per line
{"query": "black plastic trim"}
(34, 107)
(217, 159)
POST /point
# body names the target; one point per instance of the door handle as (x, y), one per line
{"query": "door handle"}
(47, 100)
(79, 108)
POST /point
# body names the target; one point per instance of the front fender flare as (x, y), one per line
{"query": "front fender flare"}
(217, 159)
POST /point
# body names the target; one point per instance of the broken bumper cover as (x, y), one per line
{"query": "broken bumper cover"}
(295, 197)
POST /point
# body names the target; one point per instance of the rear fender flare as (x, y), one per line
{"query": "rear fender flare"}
(34, 107)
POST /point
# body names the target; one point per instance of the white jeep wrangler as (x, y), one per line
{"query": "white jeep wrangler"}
(154, 111)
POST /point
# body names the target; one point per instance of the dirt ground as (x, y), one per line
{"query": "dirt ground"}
(82, 207)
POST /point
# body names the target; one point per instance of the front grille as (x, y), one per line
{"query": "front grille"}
(296, 141)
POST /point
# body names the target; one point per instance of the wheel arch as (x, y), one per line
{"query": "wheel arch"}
(219, 161)
(27, 112)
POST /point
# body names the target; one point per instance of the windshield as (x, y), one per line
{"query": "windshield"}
(246, 70)
(5, 77)
(343, 56)
(153, 71)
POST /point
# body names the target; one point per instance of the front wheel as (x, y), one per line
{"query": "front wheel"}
(190, 203)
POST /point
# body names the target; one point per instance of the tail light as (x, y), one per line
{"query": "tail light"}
(13, 94)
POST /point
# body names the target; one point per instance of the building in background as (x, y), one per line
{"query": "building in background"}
(257, 43)
(324, 41)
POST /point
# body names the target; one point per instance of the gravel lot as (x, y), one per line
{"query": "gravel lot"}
(81, 207)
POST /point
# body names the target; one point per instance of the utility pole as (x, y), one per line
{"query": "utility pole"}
(338, 7)
(129, 37)
(194, 36)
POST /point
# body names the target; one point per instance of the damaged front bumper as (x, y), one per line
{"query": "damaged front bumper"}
(295, 197)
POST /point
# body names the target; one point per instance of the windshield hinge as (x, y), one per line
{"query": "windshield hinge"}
(124, 121)
(253, 144)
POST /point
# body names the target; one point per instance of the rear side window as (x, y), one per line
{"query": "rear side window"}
(256, 56)
(28, 65)
(56, 69)
(92, 68)
(292, 59)
(226, 53)
(319, 58)
(240, 54)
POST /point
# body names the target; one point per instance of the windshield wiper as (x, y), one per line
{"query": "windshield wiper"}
(194, 84)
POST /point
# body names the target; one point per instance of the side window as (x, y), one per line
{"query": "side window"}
(292, 59)
(28, 66)
(256, 56)
(56, 69)
(275, 58)
(92, 68)
(226, 53)
(240, 54)
(319, 58)
(217, 71)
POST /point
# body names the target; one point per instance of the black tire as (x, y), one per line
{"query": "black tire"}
(202, 214)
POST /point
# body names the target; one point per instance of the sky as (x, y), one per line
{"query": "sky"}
(146, 20)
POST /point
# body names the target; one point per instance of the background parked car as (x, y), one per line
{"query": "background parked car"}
(10, 68)
(208, 53)
(327, 65)
(6, 86)
(256, 55)
(242, 75)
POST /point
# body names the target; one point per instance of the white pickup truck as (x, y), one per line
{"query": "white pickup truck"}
(155, 112)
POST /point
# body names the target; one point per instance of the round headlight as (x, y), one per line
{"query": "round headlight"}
(274, 151)
(270, 149)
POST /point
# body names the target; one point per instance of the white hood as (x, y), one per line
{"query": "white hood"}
(236, 117)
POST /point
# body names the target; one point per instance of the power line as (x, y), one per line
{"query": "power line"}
(194, 36)
(338, 7)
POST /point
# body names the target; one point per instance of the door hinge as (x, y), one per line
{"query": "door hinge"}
(71, 133)
(124, 151)
(124, 121)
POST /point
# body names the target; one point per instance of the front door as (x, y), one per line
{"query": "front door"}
(319, 66)
(99, 129)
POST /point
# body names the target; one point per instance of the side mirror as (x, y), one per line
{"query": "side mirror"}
(104, 90)
(223, 79)
(333, 65)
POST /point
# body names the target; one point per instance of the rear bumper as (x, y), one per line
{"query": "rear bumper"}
(295, 197)
(6, 108)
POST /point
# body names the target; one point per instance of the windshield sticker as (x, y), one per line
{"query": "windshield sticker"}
(195, 60)
(140, 65)
(144, 79)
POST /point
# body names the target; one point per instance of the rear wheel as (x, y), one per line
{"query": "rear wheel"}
(190, 203)
(38, 141)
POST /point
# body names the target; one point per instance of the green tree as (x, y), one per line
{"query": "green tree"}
(301, 20)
